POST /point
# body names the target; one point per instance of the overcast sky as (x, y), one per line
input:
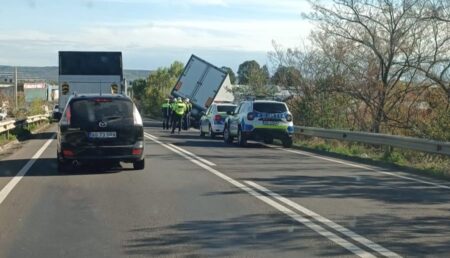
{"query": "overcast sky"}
(150, 33)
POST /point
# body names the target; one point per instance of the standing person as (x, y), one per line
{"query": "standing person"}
(166, 110)
(187, 117)
(178, 112)
(172, 106)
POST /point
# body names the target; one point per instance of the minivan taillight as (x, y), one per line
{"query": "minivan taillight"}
(250, 116)
(68, 115)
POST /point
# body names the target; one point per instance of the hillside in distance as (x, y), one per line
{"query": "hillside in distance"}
(50, 73)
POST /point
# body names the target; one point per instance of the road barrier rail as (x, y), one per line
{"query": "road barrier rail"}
(7, 126)
(403, 142)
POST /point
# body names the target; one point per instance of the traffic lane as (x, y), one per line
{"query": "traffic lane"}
(382, 208)
(170, 208)
(12, 160)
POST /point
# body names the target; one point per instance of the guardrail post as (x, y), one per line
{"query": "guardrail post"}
(388, 150)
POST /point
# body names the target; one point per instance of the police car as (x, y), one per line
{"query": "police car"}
(212, 122)
(260, 120)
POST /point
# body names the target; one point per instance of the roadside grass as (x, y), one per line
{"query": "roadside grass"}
(4, 139)
(434, 165)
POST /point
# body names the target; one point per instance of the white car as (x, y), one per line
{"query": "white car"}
(212, 122)
(3, 115)
(260, 120)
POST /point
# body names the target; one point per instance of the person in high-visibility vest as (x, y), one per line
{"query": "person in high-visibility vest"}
(166, 110)
(178, 113)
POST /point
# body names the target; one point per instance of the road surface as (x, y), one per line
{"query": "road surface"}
(199, 197)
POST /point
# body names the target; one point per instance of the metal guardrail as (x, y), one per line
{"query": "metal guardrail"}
(10, 125)
(6, 126)
(403, 142)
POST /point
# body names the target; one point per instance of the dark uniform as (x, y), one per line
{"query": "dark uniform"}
(187, 115)
(166, 111)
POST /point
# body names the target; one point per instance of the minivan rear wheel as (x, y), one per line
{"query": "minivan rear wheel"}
(139, 165)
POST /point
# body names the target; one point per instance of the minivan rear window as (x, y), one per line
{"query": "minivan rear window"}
(86, 111)
(269, 107)
(225, 108)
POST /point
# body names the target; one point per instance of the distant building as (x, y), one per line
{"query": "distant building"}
(6, 90)
(35, 91)
(52, 93)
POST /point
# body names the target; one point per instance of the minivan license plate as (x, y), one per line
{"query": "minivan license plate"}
(102, 135)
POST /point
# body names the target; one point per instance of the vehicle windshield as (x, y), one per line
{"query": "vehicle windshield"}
(269, 107)
(227, 108)
(88, 111)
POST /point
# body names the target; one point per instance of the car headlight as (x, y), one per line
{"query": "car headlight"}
(289, 118)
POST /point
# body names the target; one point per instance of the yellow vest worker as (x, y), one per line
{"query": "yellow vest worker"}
(179, 109)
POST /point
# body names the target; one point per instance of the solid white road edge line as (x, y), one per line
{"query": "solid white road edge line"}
(317, 228)
(145, 133)
(360, 239)
(183, 150)
(361, 166)
(207, 162)
(16, 179)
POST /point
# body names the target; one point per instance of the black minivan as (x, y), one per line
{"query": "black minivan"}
(97, 128)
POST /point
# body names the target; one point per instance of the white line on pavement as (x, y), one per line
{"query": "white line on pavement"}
(362, 166)
(207, 162)
(183, 150)
(376, 247)
(317, 228)
(11, 184)
(152, 136)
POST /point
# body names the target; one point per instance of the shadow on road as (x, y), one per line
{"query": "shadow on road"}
(48, 167)
(42, 136)
(382, 189)
(273, 234)
(419, 236)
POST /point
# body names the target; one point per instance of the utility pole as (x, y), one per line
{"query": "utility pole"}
(15, 87)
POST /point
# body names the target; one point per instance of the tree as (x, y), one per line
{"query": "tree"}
(175, 69)
(257, 84)
(244, 69)
(382, 36)
(266, 74)
(139, 88)
(431, 56)
(230, 73)
(287, 76)
(159, 85)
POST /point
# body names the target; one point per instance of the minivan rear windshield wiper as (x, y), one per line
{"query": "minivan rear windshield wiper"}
(110, 118)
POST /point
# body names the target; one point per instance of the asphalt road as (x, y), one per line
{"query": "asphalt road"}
(202, 198)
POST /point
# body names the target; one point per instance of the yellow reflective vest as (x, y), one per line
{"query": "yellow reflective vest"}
(180, 108)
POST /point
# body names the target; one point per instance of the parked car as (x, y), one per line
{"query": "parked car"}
(260, 120)
(100, 128)
(213, 121)
(3, 115)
